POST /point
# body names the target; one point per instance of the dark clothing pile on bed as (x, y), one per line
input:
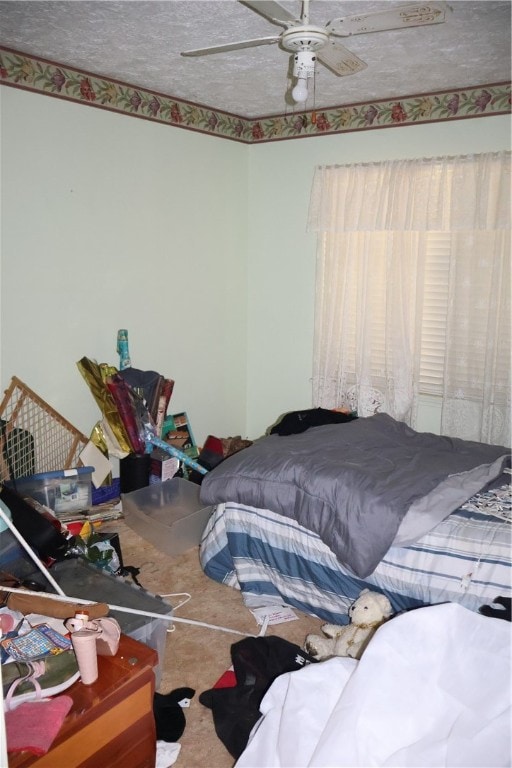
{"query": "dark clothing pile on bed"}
(295, 422)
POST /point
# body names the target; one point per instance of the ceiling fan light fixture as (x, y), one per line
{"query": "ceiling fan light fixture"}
(304, 64)
(303, 68)
(300, 91)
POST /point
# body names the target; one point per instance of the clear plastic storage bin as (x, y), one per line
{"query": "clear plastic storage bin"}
(169, 515)
(79, 579)
(65, 490)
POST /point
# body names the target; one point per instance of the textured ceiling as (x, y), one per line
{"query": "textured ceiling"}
(140, 43)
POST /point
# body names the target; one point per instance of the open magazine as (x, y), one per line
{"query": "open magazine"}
(40, 641)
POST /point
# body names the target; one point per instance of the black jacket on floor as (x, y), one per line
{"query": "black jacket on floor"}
(257, 661)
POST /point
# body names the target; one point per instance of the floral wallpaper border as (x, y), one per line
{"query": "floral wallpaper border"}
(21, 70)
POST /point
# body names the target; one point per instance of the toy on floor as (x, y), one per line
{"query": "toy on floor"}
(367, 613)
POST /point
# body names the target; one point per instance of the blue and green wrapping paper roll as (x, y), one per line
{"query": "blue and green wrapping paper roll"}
(178, 454)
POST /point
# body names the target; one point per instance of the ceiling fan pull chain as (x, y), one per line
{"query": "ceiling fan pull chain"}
(313, 113)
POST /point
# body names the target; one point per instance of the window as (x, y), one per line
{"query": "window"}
(434, 313)
(413, 290)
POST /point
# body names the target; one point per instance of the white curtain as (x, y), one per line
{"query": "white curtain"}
(476, 387)
(375, 224)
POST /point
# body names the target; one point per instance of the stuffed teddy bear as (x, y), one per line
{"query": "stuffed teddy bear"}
(367, 613)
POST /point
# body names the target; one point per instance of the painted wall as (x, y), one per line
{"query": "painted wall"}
(197, 245)
(281, 263)
(110, 222)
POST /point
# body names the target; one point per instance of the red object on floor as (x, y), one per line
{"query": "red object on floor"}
(74, 528)
(227, 680)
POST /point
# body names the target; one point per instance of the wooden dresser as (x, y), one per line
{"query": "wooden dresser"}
(111, 722)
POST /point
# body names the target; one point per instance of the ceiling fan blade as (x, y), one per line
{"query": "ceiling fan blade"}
(415, 15)
(271, 11)
(232, 46)
(339, 59)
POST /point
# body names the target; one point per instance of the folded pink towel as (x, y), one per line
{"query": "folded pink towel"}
(33, 725)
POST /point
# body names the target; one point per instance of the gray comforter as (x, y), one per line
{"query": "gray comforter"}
(353, 484)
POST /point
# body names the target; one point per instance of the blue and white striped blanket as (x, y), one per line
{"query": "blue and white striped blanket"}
(272, 559)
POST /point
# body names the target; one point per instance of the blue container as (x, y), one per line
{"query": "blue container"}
(107, 492)
(65, 490)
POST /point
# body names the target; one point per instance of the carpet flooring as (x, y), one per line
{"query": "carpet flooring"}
(197, 656)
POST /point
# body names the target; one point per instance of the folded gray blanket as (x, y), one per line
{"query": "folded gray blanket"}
(353, 483)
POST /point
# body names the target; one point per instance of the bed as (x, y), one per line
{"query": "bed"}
(309, 520)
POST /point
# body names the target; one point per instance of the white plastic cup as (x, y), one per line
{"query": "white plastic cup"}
(79, 621)
(84, 645)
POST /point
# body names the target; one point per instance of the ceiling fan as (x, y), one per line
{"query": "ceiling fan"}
(308, 42)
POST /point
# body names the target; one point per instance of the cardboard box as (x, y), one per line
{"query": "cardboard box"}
(162, 466)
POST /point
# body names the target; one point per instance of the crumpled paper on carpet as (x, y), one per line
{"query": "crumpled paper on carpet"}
(33, 725)
(166, 753)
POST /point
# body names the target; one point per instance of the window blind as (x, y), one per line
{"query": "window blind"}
(435, 312)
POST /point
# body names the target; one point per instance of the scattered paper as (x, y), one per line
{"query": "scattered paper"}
(91, 456)
(273, 615)
(166, 753)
